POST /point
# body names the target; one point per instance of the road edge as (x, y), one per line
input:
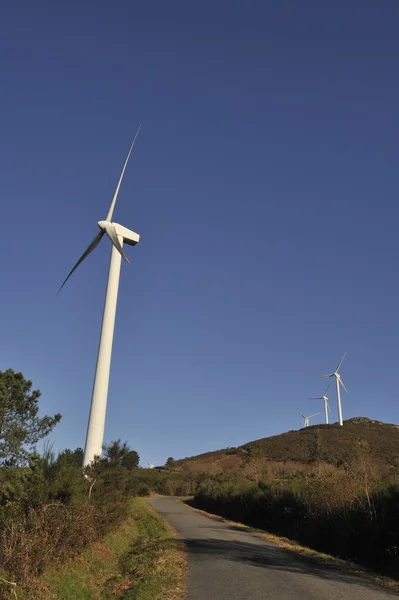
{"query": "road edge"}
(181, 554)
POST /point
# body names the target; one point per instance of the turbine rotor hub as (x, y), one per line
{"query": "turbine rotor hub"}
(102, 224)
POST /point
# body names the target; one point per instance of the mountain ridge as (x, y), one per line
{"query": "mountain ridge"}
(317, 443)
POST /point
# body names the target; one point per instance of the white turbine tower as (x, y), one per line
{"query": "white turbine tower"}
(326, 405)
(117, 234)
(338, 382)
(306, 424)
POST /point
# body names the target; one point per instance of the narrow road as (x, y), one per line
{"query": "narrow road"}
(228, 563)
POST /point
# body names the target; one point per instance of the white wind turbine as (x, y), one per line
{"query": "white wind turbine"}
(338, 382)
(326, 405)
(306, 424)
(117, 234)
(151, 466)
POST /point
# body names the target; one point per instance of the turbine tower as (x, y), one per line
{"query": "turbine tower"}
(326, 405)
(308, 418)
(118, 235)
(338, 382)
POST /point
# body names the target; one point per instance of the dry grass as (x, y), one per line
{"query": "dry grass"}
(39, 537)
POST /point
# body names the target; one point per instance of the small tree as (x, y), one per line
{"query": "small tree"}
(20, 426)
(170, 463)
(253, 463)
(131, 460)
(120, 454)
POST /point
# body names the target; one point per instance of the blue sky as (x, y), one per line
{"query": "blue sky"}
(264, 185)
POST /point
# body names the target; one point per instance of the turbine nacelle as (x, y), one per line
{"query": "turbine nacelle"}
(129, 237)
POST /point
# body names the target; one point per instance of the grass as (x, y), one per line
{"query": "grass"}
(142, 560)
(323, 559)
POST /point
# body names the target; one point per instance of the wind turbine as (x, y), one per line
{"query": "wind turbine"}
(326, 405)
(150, 464)
(338, 382)
(307, 418)
(117, 234)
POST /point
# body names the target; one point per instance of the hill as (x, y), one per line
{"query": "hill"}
(302, 448)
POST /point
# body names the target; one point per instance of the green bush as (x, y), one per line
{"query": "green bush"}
(143, 490)
(51, 508)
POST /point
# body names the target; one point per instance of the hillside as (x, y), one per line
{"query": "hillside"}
(326, 443)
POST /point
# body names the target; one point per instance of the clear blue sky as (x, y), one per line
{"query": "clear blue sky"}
(264, 185)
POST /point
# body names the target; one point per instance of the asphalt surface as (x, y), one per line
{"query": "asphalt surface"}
(227, 563)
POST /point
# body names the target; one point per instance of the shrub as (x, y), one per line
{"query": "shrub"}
(52, 509)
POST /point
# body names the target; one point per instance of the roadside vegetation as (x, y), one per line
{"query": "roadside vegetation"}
(58, 521)
(349, 511)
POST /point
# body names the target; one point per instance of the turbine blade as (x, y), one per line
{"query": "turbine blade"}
(343, 385)
(111, 233)
(340, 363)
(85, 254)
(315, 415)
(325, 393)
(326, 376)
(318, 398)
(328, 406)
(303, 415)
(111, 208)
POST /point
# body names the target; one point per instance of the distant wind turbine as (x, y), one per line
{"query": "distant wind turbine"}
(117, 234)
(338, 382)
(150, 464)
(326, 405)
(306, 424)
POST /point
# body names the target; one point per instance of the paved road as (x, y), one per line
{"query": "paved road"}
(227, 563)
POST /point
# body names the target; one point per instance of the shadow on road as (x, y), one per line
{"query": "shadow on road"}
(266, 556)
(271, 557)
